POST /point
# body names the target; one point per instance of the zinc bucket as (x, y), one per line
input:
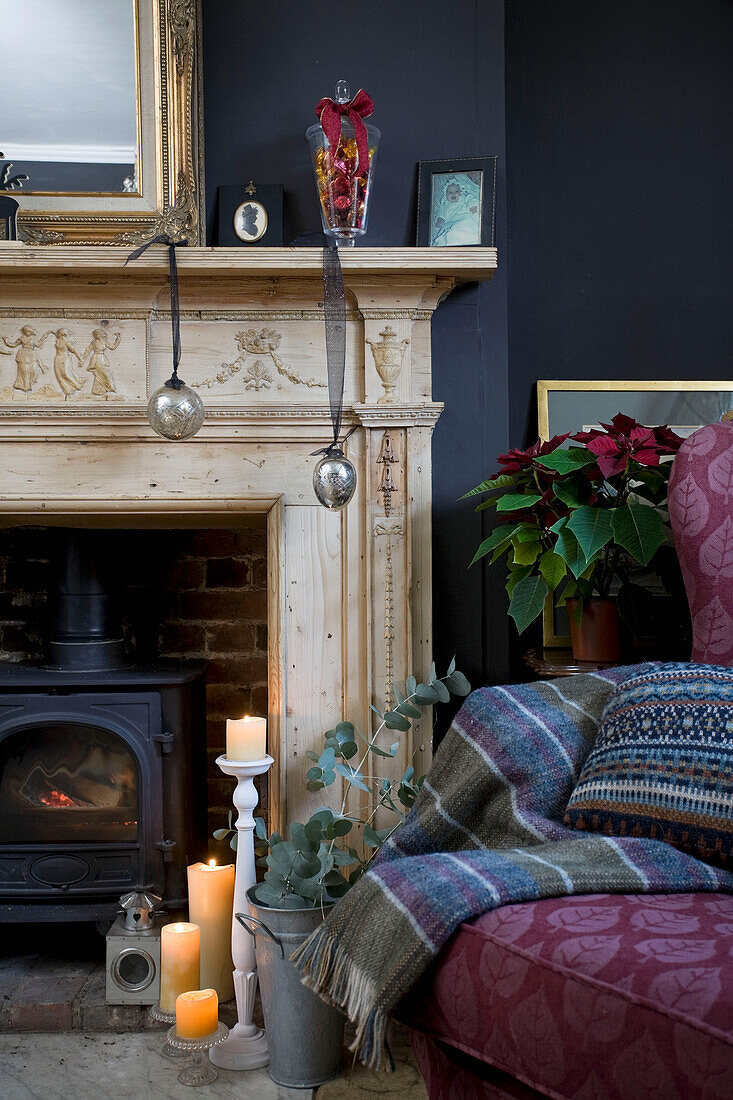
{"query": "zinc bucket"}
(304, 1034)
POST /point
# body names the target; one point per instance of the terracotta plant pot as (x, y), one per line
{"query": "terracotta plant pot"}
(596, 637)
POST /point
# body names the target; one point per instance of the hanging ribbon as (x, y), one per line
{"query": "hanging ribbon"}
(329, 115)
(334, 312)
(174, 382)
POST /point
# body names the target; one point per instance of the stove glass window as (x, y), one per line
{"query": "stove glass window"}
(67, 783)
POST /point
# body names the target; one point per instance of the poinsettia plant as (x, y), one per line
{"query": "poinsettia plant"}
(580, 511)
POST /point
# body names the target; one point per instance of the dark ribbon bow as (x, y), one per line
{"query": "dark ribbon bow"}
(174, 382)
(329, 115)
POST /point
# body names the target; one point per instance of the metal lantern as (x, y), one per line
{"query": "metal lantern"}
(175, 411)
(139, 908)
(334, 480)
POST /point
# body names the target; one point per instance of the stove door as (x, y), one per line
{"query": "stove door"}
(80, 793)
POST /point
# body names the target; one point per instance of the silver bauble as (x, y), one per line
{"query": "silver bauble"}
(334, 480)
(176, 413)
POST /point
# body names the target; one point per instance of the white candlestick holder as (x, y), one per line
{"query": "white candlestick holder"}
(246, 1045)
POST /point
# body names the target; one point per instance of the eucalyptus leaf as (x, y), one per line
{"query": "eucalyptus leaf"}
(426, 695)
(458, 684)
(452, 666)
(395, 721)
(221, 834)
(441, 691)
(408, 710)
(410, 685)
(343, 859)
(352, 776)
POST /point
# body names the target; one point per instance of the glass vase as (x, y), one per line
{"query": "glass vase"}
(343, 196)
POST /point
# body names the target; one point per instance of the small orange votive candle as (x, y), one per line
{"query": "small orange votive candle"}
(197, 1013)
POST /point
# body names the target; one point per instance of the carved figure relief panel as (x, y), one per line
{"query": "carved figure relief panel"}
(79, 361)
(254, 362)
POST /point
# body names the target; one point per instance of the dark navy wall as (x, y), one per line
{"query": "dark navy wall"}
(436, 73)
(620, 165)
(618, 156)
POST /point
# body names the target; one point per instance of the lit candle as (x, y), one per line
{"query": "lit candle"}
(246, 738)
(211, 906)
(180, 950)
(197, 1013)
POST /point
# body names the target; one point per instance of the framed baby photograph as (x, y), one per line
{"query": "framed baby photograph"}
(250, 215)
(456, 202)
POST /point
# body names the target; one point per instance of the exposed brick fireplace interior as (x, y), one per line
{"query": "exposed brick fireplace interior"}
(188, 594)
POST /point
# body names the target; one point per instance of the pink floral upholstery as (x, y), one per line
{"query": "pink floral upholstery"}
(600, 997)
(701, 513)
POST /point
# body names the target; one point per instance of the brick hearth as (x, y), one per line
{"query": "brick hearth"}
(187, 594)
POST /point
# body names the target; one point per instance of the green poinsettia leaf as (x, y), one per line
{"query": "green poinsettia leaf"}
(592, 529)
(639, 528)
(500, 534)
(568, 549)
(511, 502)
(517, 573)
(500, 482)
(565, 460)
(526, 553)
(573, 490)
(552, 568)
(527, 601)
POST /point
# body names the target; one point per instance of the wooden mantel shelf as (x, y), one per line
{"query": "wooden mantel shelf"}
(463, 265)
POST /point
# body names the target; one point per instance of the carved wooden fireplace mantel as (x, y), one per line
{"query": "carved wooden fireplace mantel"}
(85, 340)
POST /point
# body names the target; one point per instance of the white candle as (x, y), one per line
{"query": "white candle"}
(211, 905)
(180, 949)
(246, 738)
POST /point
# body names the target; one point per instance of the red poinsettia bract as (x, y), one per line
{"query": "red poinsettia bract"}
(623, 439)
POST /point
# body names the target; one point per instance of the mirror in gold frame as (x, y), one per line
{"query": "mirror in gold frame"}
(105, 121)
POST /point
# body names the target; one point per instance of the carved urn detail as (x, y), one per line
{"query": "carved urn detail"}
(388, 353)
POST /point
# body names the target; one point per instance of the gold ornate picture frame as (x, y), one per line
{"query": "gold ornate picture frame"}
(169, 196)
(565, 405)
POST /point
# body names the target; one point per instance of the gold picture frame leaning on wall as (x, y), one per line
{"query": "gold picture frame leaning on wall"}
(167, 195)
(570, 405)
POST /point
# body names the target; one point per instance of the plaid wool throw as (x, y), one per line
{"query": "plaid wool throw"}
(486, 830)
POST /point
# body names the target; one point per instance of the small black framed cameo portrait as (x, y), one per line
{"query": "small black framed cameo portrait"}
(250, 221)
(250, 215)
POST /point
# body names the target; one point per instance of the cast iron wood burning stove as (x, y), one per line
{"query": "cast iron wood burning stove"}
(102, 764)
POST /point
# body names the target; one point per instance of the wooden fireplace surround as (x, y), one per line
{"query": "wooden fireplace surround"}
(349, 594)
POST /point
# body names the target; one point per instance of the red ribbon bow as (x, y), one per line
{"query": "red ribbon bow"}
(329, 115)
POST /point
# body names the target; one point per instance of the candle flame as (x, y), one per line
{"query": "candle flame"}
(212, 863)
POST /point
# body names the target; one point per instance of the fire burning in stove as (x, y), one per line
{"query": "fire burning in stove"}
(56, 799)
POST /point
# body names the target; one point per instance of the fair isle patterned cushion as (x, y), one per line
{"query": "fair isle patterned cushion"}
(662, 764)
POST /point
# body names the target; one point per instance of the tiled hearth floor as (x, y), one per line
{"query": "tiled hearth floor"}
(58, 1038)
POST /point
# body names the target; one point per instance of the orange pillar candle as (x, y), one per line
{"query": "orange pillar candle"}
(211, 906)
(246, 738)
(180, 951)
(197, 1013)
